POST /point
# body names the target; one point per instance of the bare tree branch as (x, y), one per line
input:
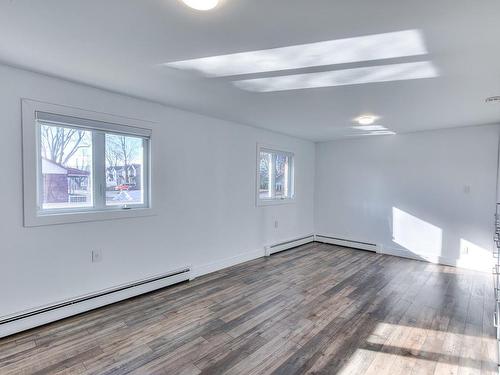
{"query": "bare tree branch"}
(61, 144)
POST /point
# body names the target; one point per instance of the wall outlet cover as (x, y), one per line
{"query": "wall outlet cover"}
(96, 256)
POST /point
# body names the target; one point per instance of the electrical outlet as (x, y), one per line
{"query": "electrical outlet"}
(96, 256)
(276, 224)
(467, 189)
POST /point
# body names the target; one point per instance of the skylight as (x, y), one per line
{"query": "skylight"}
(339, 51)
(355, 76)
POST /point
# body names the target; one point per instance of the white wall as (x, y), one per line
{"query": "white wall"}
(410, 195)
(205, 195)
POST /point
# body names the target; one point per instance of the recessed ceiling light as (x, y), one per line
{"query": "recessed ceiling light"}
(366, 120)
(201, 4)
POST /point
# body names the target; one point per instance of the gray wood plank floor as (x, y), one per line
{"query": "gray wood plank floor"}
(316, 309)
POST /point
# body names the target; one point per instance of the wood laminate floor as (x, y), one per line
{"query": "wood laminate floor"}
(316, 309)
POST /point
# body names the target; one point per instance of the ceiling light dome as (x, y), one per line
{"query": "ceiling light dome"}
(366, 120)
(201, 4)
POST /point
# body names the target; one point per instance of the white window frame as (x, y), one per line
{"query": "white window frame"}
(100, 124)
(273, 200)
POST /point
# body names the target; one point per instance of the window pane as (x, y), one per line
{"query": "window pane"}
(265, 178)
(124, 170)
(281, 181)
(66, 167)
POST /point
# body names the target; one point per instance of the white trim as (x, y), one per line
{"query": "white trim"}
(98, 172)
(272, 202)
(32, 321)
(31, 110)
(333, 240)
(285, 245)
(81, 217)
(274, 147)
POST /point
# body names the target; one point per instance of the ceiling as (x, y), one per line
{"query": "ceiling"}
(324, 82)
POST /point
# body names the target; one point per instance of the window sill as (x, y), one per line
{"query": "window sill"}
(79, 217)
(274, 202)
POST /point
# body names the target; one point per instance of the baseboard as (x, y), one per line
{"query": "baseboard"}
(286, 245)
(28, 320)
(332, 240)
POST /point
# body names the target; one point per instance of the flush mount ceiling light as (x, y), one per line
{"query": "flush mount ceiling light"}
(201, 4)
(366, 120)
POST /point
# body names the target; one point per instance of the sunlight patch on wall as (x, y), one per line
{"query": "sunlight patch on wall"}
(355, 76)
(414, 234)
(340, 51)
(474, 257)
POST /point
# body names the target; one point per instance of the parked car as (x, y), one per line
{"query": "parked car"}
(123, 187)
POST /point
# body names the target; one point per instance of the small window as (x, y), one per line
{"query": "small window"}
(275, 176)
(81, 169)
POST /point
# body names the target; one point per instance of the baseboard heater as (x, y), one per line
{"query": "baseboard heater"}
(39, 316)
(282, 246)
(346, 243)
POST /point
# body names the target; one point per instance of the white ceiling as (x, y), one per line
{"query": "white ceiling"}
(127, 45)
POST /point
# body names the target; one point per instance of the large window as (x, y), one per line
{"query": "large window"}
(82, 168)
(275, 176)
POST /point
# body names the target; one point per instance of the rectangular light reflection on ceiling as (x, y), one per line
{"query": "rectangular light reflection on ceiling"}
(340, 51)
(355, 76)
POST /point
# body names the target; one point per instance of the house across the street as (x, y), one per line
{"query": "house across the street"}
(64, 184)
(129, 175)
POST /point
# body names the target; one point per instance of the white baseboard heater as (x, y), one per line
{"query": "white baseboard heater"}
(46, 314)
(282, 246)
(346, 243)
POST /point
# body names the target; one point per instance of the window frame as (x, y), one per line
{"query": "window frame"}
(99, 124)
(274, 201)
